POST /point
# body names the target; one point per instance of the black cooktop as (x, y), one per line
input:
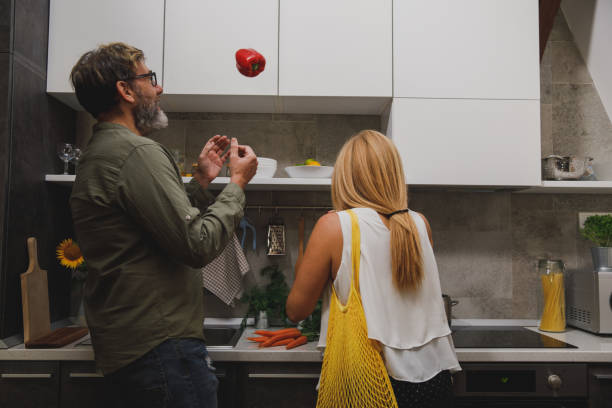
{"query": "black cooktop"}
(503, 337)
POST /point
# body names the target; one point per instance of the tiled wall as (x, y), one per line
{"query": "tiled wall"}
(486, 244)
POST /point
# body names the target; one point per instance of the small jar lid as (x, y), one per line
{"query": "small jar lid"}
(551, 266)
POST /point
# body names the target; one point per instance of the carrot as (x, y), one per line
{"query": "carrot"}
(266, 333)
(270, 333)
(283, 342)
(258, 339)
(281, 336)
(297, 342)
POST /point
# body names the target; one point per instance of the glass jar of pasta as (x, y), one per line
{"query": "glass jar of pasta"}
(553, 289)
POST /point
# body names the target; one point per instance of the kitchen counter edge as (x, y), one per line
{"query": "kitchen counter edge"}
(591, 349)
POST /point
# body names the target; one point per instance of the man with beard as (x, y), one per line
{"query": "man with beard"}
(142, 231)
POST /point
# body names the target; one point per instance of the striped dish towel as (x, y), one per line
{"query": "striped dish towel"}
(223, 276)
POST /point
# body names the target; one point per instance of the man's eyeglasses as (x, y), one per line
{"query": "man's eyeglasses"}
(150, 74)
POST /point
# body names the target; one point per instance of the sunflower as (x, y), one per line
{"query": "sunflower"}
(69, 254)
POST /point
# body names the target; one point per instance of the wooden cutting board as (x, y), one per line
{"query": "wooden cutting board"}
(37, 331)
(58, 337)
(34, 297)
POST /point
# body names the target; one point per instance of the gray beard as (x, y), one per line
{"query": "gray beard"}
(148, 117)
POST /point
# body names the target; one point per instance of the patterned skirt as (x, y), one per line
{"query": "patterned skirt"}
(434, 393)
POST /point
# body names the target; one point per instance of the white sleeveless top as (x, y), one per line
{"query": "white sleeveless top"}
(411, 326)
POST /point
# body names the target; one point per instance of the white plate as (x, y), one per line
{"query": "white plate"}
(309, 171)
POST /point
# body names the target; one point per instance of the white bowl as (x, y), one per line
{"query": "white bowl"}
(265, 161)
(309, 171)
(265, 167)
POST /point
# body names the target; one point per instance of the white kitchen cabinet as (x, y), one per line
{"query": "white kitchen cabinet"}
(466, 49)
(337, 48)
(77, 26)
(201, 39)
(467, 142)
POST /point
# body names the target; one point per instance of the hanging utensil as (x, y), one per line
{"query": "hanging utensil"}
(243, 225)
(276, 236)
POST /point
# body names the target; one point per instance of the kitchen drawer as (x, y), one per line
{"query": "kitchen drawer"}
(600, 386)
(81, 385)
(280, 385)
(226, 392)
(25, 384)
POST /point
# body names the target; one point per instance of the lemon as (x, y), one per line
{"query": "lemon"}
(312, 162)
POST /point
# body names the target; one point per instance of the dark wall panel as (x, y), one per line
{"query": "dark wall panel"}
(31, 31)
(5, 75)
(24, 217)
(31, 125)
(5, 68)
(5, 25)
(36, 208)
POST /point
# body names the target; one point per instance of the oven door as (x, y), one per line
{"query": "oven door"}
(519, 385)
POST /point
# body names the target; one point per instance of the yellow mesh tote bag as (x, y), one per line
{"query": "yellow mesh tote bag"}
(353, 372)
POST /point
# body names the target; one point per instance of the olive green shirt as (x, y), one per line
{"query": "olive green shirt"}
(142, 231)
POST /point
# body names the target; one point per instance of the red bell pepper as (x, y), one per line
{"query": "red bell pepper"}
(249, 62)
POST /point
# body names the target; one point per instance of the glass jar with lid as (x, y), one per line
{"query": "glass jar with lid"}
(553, 289)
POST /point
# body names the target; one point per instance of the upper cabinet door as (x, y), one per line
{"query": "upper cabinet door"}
(466, 49)
(77, 26)
(202, 37)
(335, 48)
(467, 141)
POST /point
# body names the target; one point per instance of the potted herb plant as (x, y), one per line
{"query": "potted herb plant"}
(258, 306)
(270, 299)
(598, 229)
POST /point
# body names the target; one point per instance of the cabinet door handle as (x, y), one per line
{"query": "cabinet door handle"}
(282, 375)
(85, 375)
(603, 376)
(25, 376)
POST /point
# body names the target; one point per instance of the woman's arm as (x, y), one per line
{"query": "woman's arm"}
(313, 271)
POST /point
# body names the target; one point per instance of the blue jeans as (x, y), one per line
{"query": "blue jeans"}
(176, 373)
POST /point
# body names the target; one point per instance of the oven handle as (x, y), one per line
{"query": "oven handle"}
(603, 376)
(283, 375)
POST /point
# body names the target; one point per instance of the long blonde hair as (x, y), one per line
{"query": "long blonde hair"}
(368, 173)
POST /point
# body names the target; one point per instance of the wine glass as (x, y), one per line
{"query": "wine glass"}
(76, 156)
(65, 151)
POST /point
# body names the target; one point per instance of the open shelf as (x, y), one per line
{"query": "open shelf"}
(323, 184)
(256, 184)
(571, 187)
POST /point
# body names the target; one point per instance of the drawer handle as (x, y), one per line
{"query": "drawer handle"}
(26, 376)
(603, 376)
(282, 375)
(85, 375)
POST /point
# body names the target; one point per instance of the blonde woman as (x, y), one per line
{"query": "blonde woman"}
(398, 276)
